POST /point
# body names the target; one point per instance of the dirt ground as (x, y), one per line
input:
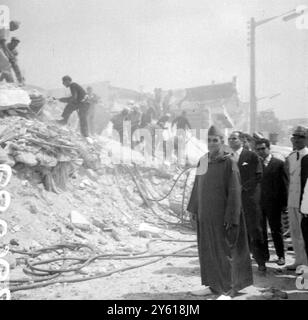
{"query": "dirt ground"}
(38, 219)
(169, 279)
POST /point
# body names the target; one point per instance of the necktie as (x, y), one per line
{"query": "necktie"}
(297, 155)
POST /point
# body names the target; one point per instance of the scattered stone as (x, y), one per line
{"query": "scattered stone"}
(147, 231)
(15, 228)
(26, 158)
(33, 208)
(77, 233)
(14, 242)
(91, 174)
(11, 260)
(115, 235)
(99, 224)
(79, 221)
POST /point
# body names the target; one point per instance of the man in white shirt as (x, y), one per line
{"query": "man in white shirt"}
(294, 164)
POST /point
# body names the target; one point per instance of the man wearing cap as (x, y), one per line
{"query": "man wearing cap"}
(6, 72)
(77, 102)
(13, 53)
(294, 164)
(215, 205)
(250, 168)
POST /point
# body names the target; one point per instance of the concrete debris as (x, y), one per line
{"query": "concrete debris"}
(14, 242)
(147, 231)
(114, 234)
(79, 221)
(47, 148)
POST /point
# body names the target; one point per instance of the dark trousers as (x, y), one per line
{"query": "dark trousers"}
(82, 109)
(304, 225)
(273, 216)
(253, 218)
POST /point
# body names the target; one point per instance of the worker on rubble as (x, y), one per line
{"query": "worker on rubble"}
(216, 206)
(148, 114)
(93, 101)
(77, 102)
(10, 53)
(13, 53)
(118, 123)
(134, 117)
(182, 122)
(166, 102)
(165, 134)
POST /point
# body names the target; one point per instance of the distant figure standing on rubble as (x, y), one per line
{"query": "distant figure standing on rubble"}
(134, 117)
(77, 102)
(165, 135)
(216, 206)
(10, 53)
(148, 114)
(12, 47)
(166, 102)
(93, 101)
(118, 122)
(181, 122)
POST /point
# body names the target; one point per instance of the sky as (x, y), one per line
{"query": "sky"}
(165, 43)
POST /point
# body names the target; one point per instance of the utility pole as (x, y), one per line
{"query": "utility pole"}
(253, 99)
(253, 24)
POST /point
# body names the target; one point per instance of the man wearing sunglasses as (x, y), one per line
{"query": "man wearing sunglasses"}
(294, 162)
(215, 204)
(274, 197)
(250, 169)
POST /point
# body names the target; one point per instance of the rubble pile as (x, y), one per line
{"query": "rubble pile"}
(47, 150)
(15, 100)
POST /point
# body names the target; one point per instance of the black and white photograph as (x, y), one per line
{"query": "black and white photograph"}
(153, 150)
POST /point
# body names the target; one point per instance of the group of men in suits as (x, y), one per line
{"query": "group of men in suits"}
(266, 193)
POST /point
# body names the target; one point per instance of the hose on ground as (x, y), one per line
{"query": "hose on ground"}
(23, 284)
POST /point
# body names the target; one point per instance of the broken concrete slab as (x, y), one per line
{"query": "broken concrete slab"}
(79, 221)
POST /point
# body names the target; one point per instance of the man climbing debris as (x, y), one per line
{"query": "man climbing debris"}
(77, 102)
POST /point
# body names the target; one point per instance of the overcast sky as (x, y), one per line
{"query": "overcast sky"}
(165, 43)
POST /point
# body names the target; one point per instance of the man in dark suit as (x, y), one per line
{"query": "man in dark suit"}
(304, 198)
(274, 196)
(250, 168)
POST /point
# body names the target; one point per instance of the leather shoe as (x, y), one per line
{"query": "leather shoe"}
(262, 268)
(281, 261)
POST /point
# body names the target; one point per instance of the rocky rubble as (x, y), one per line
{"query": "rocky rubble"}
(46, 150)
